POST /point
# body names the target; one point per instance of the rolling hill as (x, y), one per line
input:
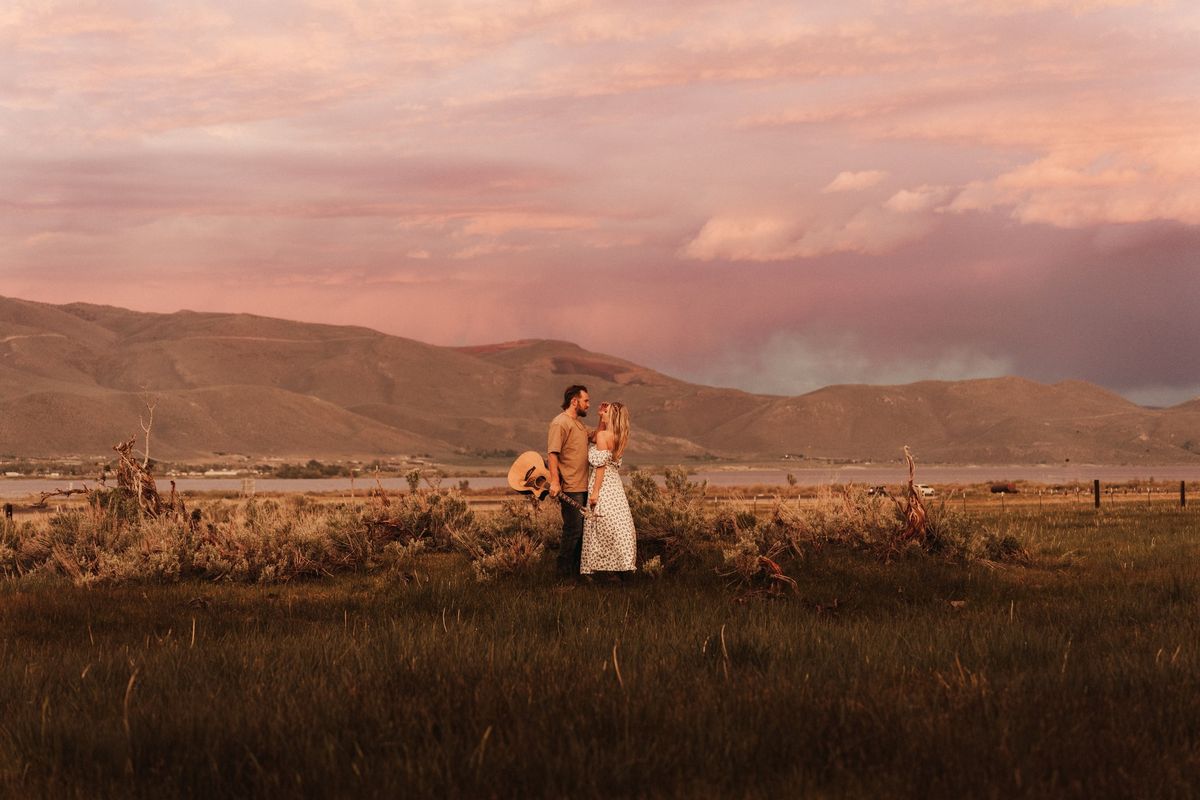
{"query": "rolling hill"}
(73, 379)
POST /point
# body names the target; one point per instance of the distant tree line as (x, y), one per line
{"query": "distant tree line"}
(36, 468)
(495, 453)
(313, 469)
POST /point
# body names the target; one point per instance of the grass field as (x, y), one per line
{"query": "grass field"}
(1074, 676)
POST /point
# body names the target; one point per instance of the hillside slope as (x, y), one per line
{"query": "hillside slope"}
(73, 379)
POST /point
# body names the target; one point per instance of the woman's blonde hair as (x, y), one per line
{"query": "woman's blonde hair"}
(618, 423)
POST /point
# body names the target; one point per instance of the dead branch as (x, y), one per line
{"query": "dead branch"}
(916, 520)
(175, 502)
(136, 478)
(777, 581)
(378, 492)
(150, 401)
(41, 503)
(759, 575)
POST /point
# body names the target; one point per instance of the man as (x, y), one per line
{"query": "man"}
(567, 446)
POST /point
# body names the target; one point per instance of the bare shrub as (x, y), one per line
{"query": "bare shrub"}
(672, 523)
(256, 541)
(433, 515)
(10, 556)
(752, 565)
(541, 522)
(751, 561)
(83, 547)
(512, 555)
(849, 517)
(957, 536)
(511, 542)
(114, 540)
(845, 516)
(400, 558)
(264, 541)
(23, 547)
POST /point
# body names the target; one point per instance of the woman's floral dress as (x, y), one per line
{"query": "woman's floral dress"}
(609, 540)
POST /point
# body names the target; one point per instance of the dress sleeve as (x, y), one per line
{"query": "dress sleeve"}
(599, 458)
(555, 437)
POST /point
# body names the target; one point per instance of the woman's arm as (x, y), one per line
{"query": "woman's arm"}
(594, 489)
(604, 441)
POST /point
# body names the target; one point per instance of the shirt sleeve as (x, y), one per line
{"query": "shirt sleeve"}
(599, 458)
(556, 437)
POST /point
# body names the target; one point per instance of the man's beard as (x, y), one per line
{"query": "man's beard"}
(581, 412)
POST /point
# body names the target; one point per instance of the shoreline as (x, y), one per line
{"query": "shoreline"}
(743, 477)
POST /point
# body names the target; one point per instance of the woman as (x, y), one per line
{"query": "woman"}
(609, 541)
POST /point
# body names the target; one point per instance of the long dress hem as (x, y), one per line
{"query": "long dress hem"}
(609, 538)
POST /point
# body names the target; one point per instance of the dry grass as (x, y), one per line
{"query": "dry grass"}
(113, 540)
(911, 676)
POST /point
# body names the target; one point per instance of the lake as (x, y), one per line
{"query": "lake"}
(11, 488)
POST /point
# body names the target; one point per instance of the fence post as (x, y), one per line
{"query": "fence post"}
(8, 510)
(1182, 494)
(1096, 491)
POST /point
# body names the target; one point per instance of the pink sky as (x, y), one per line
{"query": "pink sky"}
(770, 195)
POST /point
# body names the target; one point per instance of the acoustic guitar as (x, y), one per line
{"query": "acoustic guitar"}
(530, 475)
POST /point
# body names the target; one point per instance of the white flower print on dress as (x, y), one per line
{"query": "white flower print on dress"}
(609, 539)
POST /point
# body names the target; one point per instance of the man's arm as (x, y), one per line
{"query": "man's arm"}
(554, 443)
(555, 481)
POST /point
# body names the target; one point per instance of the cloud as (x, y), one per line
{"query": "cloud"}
(773, 239)
(743, 239)
(872, 230)
(146, 183)
(1029, 190)
(855, 181)
(1163, 396)
(1111, 307)
(1009, 8)
(797, 363)
(923, 198)
(491, 248)
(495, 224)
(1062, 192)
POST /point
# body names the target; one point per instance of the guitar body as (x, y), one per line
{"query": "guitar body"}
(530, 475)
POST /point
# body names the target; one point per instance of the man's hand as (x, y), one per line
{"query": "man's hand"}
(555, 488)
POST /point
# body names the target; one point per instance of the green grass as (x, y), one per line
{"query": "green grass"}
(1076, 676)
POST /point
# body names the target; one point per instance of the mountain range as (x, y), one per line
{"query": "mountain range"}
(74, 380)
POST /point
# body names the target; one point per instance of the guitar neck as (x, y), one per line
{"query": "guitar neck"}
(564, 498)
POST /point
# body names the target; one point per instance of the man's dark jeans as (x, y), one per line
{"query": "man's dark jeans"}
(571, 549)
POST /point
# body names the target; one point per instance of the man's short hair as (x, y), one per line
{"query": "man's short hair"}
(571, 393)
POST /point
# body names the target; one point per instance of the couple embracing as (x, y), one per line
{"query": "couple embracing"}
(584, 465)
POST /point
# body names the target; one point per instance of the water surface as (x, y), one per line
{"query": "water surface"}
(806, 476)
